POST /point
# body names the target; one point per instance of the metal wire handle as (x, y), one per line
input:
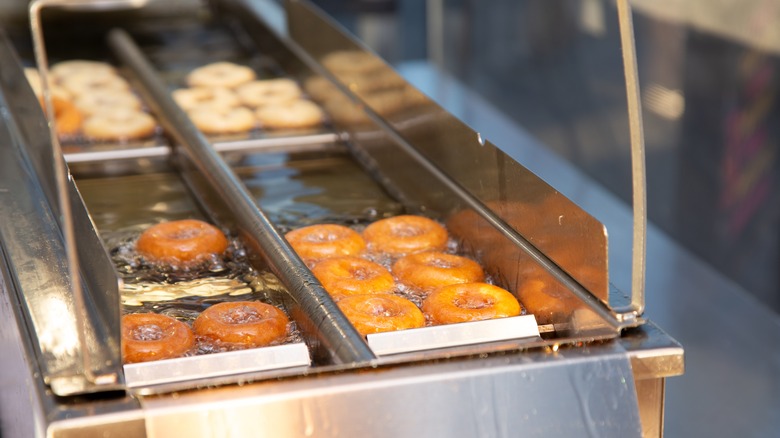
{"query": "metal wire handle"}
(61, 175)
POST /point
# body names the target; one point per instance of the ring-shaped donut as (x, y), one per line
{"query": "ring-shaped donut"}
(107, 100)
(342, 276)
(201, 97)
(242, 324)
(85, 83)
(119, 124)
(380, 313)
(268, 92)
(65, 69)
(317, 242)
(216, 120)
(426, 271)
(151, 336)
(405, 234)
(294, 114)
(220, 74)
(469, 302)
(185, 241)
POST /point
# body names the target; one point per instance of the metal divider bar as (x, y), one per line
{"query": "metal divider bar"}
(639, 186)
(332, 328)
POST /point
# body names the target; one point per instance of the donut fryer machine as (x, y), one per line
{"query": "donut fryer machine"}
(587, 364)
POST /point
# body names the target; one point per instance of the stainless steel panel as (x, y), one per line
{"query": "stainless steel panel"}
(571, 238)
(32, 238)
(534, 395)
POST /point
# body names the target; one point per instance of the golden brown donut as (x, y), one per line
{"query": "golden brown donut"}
(405, 234)
(68, 118)
(151, 336)
(181, 242)
(242, 324)
(469, 302)
(317, 242)
(430, 270)
(380, 313)
(342, 276)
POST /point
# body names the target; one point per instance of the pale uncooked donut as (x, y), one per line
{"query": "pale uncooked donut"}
(220, 74)
(78, 84)
(107, 100)
(223, 120)
(119, 124)
(61, 70)
(290, 115)
(268, 92)
(193, 98)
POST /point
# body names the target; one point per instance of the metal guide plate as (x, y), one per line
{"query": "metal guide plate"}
(452, 335)
(213, 365)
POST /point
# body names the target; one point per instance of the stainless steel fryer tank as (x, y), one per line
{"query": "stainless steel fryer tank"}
(588, 374)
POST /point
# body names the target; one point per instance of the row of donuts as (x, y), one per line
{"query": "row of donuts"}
(452, 287)
(92, 100)
(233, 325)
(381, 88)
(227, 98)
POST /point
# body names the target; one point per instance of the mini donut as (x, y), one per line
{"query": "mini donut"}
(317, 242)
(352, 61)
(469, 302)
(223, 120)
(342, 276)
(547, 299)
(242, 324)
(268, 92)
(68, 118)
(119, 124)
(381, 313)
(107, 100)
(151, 336)
(405, 234)
(220, 75)
(430, 270)
(185, 241)
(295, 114)
(64, 69)
(191, 98)
(320, 89)
(85, 83)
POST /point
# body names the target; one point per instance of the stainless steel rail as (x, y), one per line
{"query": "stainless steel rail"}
(325, 321)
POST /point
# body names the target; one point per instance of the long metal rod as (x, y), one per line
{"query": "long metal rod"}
(61, 178)
(295, 143)
(336, 331)
(639, 248)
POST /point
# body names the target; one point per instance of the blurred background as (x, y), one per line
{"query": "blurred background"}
(709, 80)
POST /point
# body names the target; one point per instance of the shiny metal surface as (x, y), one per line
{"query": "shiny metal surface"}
(145, 374)
(502, 185)
(638, 179)
(496, 396)
(434, 337)
(80, 348)
(320, 317)
(293, 144)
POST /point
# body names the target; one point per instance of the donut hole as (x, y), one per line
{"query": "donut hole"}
(241, 315)
(474, 301)
(147, 333)
(405, 231)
